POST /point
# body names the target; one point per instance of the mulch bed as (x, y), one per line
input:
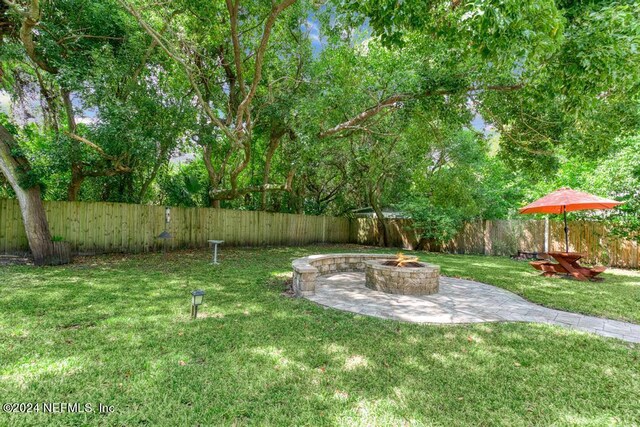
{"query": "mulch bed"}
(15, 260)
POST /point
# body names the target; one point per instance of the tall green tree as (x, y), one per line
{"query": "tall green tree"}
(72, 58)
(226, 53)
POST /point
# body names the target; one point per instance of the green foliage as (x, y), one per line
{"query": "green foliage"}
(436, 223)
(555, 82)
(5, 121)
(28, 178)
(502, 189)
(502, 32)
(457, 180)
(581, 98)
(619, 176)
(184, 185)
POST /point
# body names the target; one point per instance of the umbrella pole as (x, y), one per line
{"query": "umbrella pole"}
(566, 230)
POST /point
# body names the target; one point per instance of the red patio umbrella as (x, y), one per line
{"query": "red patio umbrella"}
(566, 200)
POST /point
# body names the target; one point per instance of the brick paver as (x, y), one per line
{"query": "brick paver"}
(459, 301)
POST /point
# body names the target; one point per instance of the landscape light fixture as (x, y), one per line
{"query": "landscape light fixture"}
(167, 215)
(196, 299)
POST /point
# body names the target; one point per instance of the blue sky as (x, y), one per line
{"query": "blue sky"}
(312, 26)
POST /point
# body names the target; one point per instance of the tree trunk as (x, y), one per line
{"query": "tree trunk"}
(77, 178)
(267, 171)
(382, 225)
(296, 199)
(274, 142)
(36, 225)
(31, 206)
(156, 167)
(215, 178)
(422, 244)
(382, 228)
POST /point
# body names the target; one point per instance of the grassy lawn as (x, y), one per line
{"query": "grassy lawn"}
(116, 330)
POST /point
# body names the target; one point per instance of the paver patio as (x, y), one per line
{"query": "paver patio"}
(459, 301)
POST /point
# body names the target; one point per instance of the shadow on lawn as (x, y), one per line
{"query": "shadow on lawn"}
(120, 334)
(332, 365)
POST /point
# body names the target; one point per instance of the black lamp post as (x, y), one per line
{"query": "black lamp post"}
(196, 299)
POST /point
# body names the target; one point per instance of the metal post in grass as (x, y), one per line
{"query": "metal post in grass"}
(165, 235)
(214, 244)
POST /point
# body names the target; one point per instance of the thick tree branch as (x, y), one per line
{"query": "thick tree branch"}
(395, 100)
(231, 194)
(106, 172)
(391, 101)
(231, 81)
(88, 143)
(232, 6)
(268, 26)
(30, 19)
(77, 37)
(170, 51)
(117, 167)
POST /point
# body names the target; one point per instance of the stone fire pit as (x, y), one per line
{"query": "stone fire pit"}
(420, 278)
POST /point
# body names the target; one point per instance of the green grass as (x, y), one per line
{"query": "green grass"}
(115, 330)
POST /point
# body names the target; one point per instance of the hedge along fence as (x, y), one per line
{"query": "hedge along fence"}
(506, 237)
(96, 227)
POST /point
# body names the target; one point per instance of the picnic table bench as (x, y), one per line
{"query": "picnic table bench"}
(567, 264)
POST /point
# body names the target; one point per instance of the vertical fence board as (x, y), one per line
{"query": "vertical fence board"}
(94, 227)
(506, 237)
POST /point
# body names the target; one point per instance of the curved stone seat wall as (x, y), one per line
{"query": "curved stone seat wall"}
(307, 269)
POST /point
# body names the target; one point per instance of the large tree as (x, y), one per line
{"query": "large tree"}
(13, 164)
(233, 71)
(281, 123)
(16, 170)
(70, 60)
(546, 74)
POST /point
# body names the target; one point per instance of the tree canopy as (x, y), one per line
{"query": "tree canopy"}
(449, 110)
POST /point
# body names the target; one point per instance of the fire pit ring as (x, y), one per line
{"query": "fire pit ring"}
(420, 278)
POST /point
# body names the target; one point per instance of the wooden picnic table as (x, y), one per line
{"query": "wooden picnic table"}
(567, 264)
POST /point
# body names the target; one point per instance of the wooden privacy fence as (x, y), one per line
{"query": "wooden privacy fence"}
(94, 227)
(118, 227)
(506, 237)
